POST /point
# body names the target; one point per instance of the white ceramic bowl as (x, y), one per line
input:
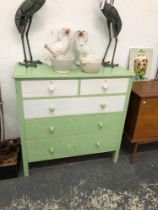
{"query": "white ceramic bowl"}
(62, 65)
(91, 67)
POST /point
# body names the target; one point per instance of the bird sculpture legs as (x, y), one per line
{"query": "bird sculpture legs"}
(25, 58)
(113, 56)
(110, 39)
(110, 26)
(28, 43)
(27, 39)
(108, 63)
(28, 63)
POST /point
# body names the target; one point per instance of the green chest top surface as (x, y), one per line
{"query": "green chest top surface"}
(71, 114)
(44, 71)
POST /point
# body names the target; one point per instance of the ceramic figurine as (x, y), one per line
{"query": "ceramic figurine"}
(61, 46)
(85, 54)
(23, 20)
(59, 49)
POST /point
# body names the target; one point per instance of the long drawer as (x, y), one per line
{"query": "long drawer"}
(106, 125)
(72, 106)
(103, 86)
(41, 88)
(66, 147)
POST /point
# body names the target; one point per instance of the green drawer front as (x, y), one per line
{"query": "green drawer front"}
(72, 126)
(66, 147)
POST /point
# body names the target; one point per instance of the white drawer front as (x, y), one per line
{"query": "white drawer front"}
(103, 86)
(72, 106)
(40, 88)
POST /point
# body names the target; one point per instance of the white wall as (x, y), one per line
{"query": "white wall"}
(140, 21)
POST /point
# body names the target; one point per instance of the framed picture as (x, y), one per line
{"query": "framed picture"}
(156, 77)
(140, 60)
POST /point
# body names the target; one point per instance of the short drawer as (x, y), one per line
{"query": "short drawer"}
(73, 106)
(104, 125)
(41, 88)
(66, 147)
(103, 86)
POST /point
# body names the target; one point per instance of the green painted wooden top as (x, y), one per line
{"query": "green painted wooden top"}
(47, 72)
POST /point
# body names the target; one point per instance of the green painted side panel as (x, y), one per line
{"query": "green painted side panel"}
(105, 125)
(46, 72)
(122, 121)
(67, 147)
(22, 127)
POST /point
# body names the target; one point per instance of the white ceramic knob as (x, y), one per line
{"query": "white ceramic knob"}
(51, 87)
(100, 124)
(51, 150)
(98, 144)
(105, 86)
(103, 105)
(51, 108)
(51, 129)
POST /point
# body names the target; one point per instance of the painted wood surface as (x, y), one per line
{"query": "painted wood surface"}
(104, 86)
(46, 72)
(67, 147)
(43, 88)
(37, 129)
(72, 106)
(65, 126)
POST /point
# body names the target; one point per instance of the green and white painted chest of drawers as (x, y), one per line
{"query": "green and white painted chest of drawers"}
(77, 113)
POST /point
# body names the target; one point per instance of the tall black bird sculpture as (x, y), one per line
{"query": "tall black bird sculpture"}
(23, 20)
(114, 25)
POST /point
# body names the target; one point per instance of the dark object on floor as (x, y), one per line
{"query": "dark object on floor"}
(114, 23)
(141, 125)
(9, 159)
(23, 20)
(9, 151)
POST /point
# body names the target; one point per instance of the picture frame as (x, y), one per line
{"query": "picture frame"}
(140, 61)
(156, 76)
